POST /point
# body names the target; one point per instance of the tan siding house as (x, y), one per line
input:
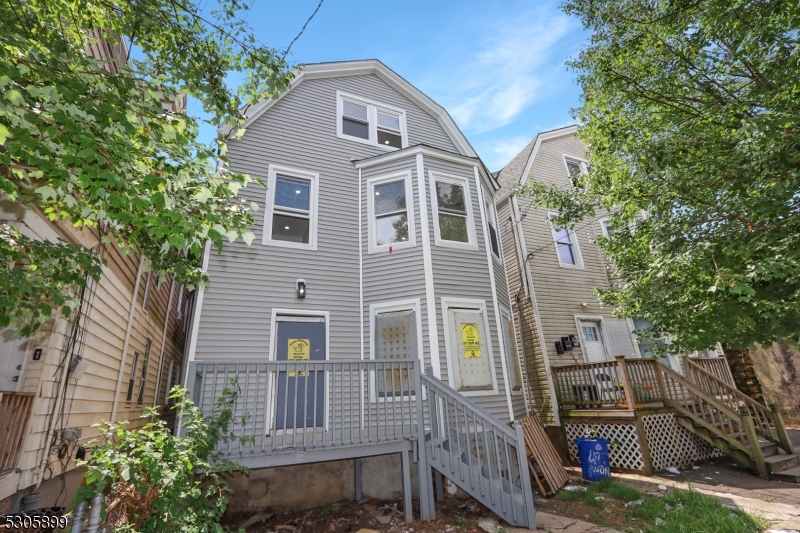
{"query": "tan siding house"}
(552, 273)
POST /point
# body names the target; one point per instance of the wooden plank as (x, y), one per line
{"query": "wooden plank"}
(538, 448)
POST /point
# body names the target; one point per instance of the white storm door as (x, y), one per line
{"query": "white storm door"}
(472, 362)
(593, 349)
(12, 359)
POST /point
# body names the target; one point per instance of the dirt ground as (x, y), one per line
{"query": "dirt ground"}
(453, 515)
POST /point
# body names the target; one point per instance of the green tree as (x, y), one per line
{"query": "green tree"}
(88, 141)
(690, 111)
(154, 481)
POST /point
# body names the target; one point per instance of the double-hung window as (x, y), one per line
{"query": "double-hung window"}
(452, 212)
(607, 228)
(491, 220)
(576, 167)
(366, 121)
(391, 212)
(290, 219)
(566, 243)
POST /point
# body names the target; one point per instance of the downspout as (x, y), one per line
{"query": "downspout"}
(163, 338)
(127, 341)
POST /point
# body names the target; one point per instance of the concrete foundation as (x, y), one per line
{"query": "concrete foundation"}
(307, 486)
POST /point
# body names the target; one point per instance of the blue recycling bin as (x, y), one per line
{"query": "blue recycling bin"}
(593, 455)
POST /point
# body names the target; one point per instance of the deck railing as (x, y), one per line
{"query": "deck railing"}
(15, 411)
(624, 382)
(312, 405)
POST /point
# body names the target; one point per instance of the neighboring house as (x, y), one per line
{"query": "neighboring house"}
(553, 272)
(123, 349)
(376, 245)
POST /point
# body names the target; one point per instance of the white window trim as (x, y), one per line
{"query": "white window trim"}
(388, 307)
(603, 336)
(313, 203)
(506, 314)
(491, 217)
(604, 222)
(373, 248)
(472, 305)
(273, 352)
(573, 239)
(464, 182)
(584, 163)
(372, 117)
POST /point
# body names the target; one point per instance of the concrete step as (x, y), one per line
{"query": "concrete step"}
(781, 463)
(791, 475)
(768, 449)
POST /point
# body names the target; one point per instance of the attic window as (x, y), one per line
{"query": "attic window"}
(365, 121)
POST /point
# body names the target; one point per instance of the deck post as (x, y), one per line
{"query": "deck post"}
(780, 429)
(644, 444)
(688, 372)
(754, 446)
(524, 476)
(630, 398)
(409, 515)
(662, 382)
(427, 508)
(357, 477)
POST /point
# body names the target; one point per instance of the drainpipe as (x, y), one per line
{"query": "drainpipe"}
(127, 341)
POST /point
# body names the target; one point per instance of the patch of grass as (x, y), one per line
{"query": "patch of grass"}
(768, 499)
(680, 511)
(596, 493)
(460, 521)
(325, 510)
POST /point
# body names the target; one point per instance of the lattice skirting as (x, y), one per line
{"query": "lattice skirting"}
(623, 450)
(672, 445)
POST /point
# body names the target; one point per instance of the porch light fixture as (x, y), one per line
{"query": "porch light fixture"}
(301, 288)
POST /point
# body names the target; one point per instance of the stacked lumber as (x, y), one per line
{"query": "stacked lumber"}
(543, 460)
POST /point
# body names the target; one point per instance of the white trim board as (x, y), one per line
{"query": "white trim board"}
(474, 305)
(427, 263)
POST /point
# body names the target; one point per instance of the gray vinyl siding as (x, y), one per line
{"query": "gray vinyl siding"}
(400, 275)
(561, 291)
(299, 131)
(459, 273)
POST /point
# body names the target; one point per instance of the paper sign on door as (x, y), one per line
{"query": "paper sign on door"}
(471, 340)
(299, 350)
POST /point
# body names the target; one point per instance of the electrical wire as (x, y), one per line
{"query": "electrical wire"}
(301, 30)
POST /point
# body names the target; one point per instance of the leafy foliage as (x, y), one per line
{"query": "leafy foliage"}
(88, 140)
(155, 481)
(690, 111)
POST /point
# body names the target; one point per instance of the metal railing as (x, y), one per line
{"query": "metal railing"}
(311, 405)
(15, 411)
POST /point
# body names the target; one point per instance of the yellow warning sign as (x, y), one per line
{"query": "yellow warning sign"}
(471, 340)
(299, 350)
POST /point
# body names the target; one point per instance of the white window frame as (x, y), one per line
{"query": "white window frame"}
(433, 176)
(372, 230)
(583, 163)
(372, 117)
(471, 305)
(604, 223)
(491, 220)
(573, 240)
(389, 307)
(277, 314)
(313, 203)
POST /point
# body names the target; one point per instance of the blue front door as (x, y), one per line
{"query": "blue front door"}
(301, 393)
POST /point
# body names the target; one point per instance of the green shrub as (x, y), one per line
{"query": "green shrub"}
(154, 481)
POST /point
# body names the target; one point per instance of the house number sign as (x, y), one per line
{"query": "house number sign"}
(471, 341)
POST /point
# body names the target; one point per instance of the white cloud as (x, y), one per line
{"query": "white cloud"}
(507, 69)
(498, 153)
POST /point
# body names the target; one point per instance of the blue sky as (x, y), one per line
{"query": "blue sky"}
(496, 66)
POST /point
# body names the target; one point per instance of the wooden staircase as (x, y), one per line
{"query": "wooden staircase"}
(741, 427)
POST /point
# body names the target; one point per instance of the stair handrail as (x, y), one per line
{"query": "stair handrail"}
(430, 378)
(693, 388)
(763, 415)
(436, 388)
